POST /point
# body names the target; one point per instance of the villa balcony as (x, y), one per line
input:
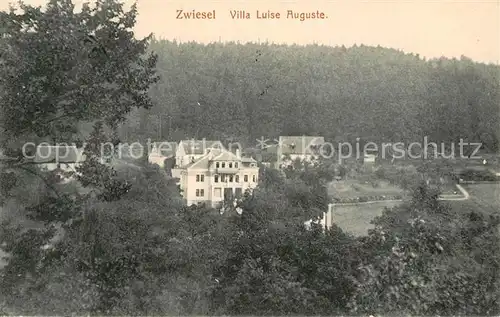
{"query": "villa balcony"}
(227, 170)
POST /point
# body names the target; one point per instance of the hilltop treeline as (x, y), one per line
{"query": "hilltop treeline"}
(248, 91)
(118, 240)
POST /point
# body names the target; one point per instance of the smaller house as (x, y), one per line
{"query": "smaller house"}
(369, 158)
(160, 151)
(58, 157)
(304, 148)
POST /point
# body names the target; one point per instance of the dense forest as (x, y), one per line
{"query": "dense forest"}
(245, 91)
(119, 240)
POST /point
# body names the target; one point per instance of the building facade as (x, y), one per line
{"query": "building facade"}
(218, 175)
(160, 151)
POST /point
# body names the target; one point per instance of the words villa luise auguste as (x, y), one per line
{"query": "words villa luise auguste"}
(182, 14)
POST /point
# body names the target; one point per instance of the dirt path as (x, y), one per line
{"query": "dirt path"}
(465, 195)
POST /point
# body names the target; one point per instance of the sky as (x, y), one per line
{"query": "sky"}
(428, 28)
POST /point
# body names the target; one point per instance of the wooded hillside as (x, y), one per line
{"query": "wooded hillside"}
(247, 91)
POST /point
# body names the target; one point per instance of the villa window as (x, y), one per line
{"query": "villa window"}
(237, 178)
(197, 178)
(217, 192)
(236, 164)
(230, 178)
(197, 193)
(216, 178)
(202, 178)
(223, 178)
(245, 178)
(230, 165)
(254, 179)
(202, 192)
(217, 165)
(238, 192)
(223, 164)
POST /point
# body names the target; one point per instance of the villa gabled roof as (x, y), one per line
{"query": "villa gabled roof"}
(226, 156)
(301, 145)
(205, 161)
(202, 163)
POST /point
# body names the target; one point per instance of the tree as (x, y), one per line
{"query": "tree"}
(326, 92)
(60, 69)
(420, 260)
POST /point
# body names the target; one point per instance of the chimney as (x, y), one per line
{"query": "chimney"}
(153, 149)
(210, 154)
(238, 154)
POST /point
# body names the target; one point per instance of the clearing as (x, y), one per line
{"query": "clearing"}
(356, 219)
(354, 188)
(486, 196)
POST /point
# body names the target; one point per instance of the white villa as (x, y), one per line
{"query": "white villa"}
(209, 173)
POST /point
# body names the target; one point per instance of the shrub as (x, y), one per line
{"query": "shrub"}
(472, 175)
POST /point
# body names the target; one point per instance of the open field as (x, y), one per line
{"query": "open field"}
(353, 189)
(356, 219)
(484, 196)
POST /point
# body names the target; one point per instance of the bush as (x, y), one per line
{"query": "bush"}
(472, 175)
(380, 173)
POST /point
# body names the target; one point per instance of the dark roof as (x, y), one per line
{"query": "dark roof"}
(58, 154)
(300, 144)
